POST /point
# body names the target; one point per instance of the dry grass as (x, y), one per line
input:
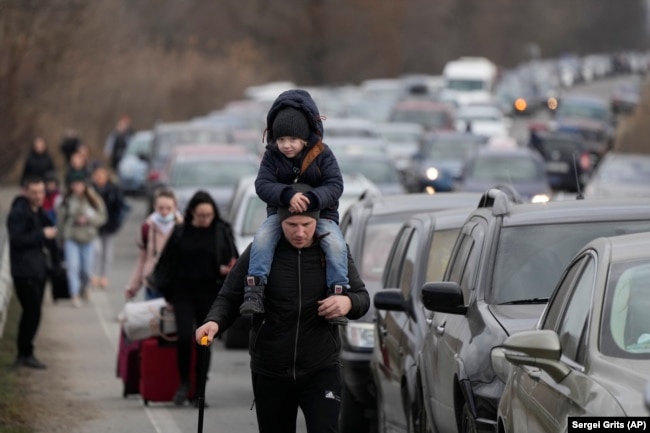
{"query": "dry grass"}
(34, 401)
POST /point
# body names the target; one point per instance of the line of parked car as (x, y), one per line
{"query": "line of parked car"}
(453, 275)
(459, 283)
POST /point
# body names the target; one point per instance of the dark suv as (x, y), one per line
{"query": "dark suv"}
(502, 270)
(567, 156)
(369, 227)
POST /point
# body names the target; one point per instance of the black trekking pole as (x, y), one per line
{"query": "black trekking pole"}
(202, 378)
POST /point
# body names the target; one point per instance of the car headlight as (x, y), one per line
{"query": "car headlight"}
(360, 335)
(432, 173)
(540, 198)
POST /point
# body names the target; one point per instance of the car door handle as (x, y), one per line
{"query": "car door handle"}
(428, 321)
(441, 328)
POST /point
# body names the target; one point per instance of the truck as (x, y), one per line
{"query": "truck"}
(469, 80)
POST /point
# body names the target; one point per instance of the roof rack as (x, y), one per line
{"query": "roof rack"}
(500, 198)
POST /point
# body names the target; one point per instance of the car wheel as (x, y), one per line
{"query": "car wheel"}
(467, 422)
(352, 418)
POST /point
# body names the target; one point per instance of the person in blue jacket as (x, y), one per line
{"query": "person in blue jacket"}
(295, 154)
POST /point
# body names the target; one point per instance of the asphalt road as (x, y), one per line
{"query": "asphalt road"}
(80, 346)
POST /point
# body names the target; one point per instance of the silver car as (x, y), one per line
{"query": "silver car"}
(590, 353)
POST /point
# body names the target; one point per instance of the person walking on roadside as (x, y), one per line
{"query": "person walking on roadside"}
(69, 145)
(52, 196)
(196, 259)
(39, 161)
(296, 153)
(294, 349)
(116, 210)
(117, 141)
(79, 163)
(79, 217)
(153, 236)
(31, 241)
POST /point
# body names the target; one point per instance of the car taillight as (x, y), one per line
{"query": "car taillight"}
(153, 175)
(585, 161)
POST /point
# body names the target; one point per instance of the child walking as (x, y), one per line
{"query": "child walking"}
(295, 153)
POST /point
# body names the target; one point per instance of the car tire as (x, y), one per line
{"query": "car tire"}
(352, 418)
(467, 422)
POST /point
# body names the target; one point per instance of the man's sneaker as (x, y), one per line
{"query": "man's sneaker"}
(337, 289)
(253, 296)
(30, 362)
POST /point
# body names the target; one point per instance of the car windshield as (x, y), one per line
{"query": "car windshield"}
(466, 85)
(377, 171)
(584, 111)
(429, 118)
(509, 89)
(210, 173)
(166, 141)
(633, 172)
(139, 145)
(560, 145)
(530, 259)
(254, 215)
(378, 239)
(625, 329)
(401, 136)
(449, 149)
(506, 168)
(342, 131)
(480, 114)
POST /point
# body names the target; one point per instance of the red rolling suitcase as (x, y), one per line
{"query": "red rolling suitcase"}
(159, 372)
(128, 365)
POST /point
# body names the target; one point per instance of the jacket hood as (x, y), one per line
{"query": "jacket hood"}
(302, 100)
(21, 202)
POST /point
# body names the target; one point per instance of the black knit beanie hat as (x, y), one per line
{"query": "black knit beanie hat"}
(291, 122)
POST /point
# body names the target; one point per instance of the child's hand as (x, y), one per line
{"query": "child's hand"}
(299, 203)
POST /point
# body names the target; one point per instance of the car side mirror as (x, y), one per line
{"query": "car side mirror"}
(537, 349)
(390, 300)
(444, 297)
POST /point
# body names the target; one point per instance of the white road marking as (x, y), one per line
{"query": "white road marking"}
(160, 418)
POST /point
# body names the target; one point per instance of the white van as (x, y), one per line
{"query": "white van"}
(469, 80)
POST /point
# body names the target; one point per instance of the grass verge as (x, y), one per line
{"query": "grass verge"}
(15, 408)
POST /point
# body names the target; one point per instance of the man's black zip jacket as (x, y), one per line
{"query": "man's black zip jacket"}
(290, 340)
(27, 241)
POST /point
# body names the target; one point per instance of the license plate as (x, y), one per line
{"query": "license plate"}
(558, 166)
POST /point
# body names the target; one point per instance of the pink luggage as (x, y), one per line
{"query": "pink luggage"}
(158, 371)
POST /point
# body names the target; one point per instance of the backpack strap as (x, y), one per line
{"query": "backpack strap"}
(316, 150)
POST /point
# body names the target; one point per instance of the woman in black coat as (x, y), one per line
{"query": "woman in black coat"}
(195, 261)
(39, 163)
